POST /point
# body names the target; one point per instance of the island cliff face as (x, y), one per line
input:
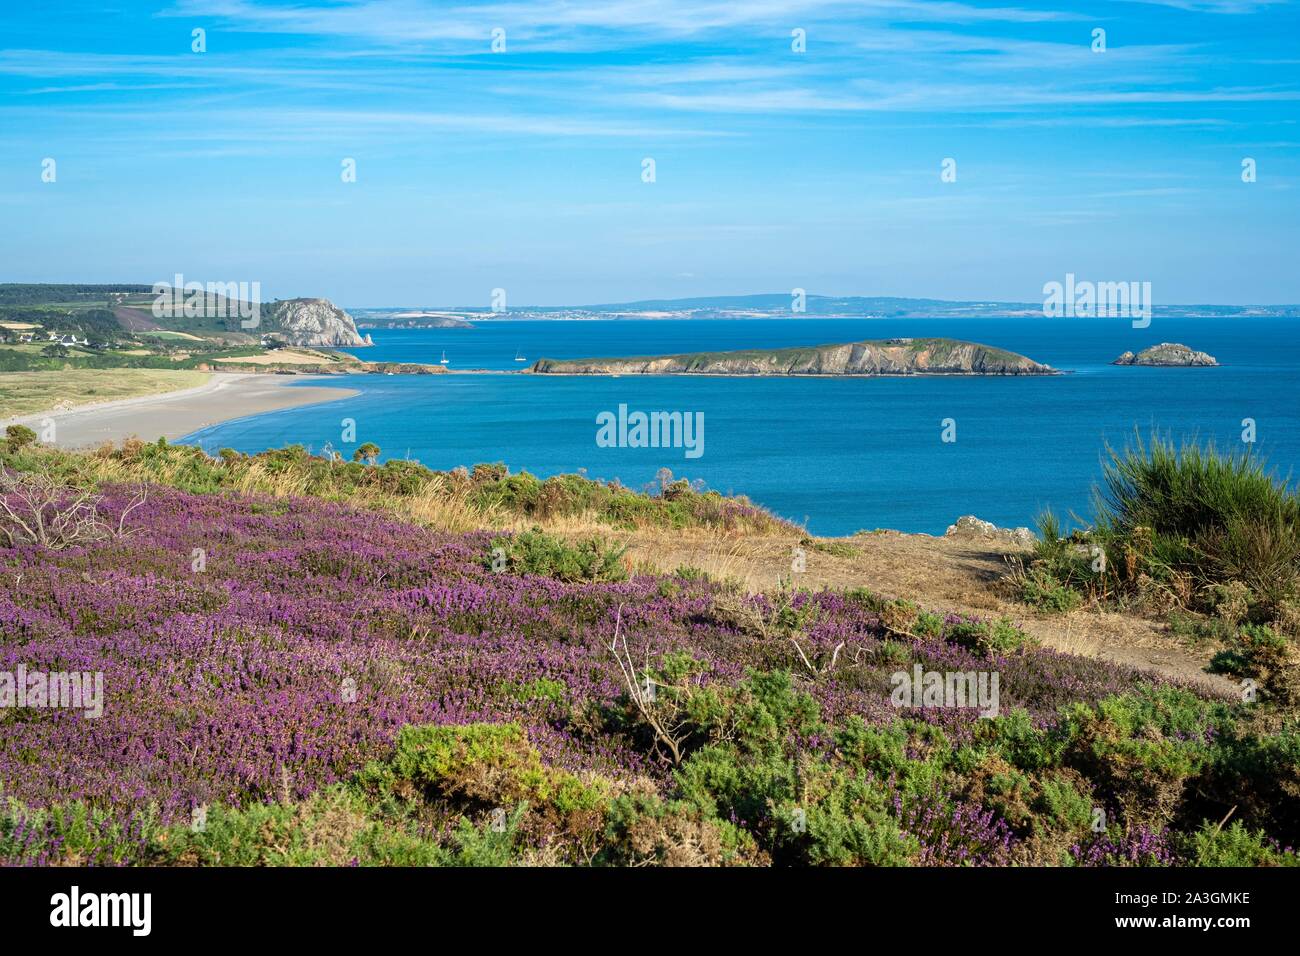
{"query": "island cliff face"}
(1167, 353)
(885, 357)
(311, 322)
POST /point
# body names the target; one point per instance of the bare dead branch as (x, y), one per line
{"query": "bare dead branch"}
(35, 508)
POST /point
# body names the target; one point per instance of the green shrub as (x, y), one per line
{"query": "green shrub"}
(1042, 590)
(1015, 737)
(487, 844)
(332, 828)
(1237, 846)
(1176, 527)
(865, 597)
(928, 625)
(889, 653)
(1217, 517)
(1062, 806)
(367, 453)
(1142, 748)
(554, 691)
(839, 549)
(850, 825)
(1260, 652)
(536, 552)
(18, 437)
(988, 637)
(644, 829)
(493, 763)
(1201, 629)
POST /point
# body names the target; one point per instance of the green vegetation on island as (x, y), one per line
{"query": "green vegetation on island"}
(902, 356)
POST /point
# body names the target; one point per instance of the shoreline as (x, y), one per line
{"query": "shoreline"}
(226, 396)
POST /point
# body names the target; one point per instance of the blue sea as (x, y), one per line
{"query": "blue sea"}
(839, 454)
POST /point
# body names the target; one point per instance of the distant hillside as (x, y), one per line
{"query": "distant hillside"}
(933, 356)
(304, 321)
(27, 294)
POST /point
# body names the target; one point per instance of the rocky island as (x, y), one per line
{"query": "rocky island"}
(1167, 353)
(909, 356)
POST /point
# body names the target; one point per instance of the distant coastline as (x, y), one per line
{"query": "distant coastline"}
(770, 306)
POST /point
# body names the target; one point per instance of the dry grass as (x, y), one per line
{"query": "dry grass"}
(282, 357)
(446, 505)
(960, 575)
(753, 563)
(436, 504)
(28, 393)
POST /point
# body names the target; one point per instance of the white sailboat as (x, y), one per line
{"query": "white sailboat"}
(443, 360)
(519, 357)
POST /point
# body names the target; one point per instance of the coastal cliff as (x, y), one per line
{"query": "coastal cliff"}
(930, 356)
(1167, 353)
(312, 322)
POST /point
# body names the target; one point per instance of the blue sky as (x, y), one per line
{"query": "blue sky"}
(774, 169)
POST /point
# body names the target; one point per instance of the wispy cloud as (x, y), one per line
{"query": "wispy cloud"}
(767, 153)
(1216, 6)
(560, 23)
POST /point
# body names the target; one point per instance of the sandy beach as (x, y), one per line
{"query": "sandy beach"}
(227, 395)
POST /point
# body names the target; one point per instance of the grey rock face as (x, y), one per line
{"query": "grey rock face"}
(313, 322)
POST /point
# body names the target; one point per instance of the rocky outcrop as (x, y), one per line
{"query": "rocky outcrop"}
(971, 527)
(886, 357)
(1167, 353)
(316, 322)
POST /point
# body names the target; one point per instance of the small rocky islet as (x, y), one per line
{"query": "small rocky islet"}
(1168, 354)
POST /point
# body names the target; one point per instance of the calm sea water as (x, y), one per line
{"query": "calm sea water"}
(842, 454)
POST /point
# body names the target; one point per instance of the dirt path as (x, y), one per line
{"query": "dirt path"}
(964, 575)
(135, 320)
